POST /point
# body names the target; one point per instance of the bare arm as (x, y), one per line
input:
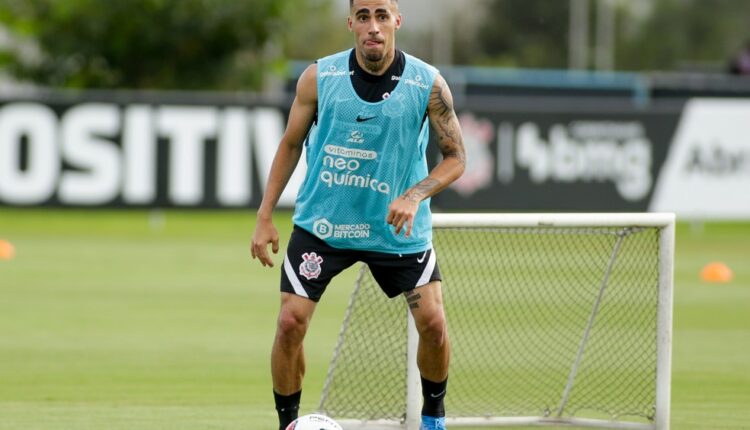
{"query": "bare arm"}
(287, 156)
(443, 119)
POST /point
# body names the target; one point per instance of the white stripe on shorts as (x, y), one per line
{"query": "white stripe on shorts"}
(425, 278)
(293, 278)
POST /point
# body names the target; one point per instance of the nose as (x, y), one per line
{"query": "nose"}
(374, 28)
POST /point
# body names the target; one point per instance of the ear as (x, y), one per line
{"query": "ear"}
(349, 22)
(399, 18)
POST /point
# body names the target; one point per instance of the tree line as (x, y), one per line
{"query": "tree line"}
(235, 45)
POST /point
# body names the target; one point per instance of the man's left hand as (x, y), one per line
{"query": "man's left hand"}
(401, 214)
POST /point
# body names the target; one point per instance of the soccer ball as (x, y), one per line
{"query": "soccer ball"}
(314, 422)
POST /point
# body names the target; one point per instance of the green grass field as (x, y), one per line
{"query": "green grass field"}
(160, 320)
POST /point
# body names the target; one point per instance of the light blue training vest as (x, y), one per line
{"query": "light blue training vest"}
(361, 156)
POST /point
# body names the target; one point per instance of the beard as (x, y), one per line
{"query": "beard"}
(374, 57)
(374, 54)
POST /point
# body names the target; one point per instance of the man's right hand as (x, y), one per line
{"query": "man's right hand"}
(265, 233)
(301, 116)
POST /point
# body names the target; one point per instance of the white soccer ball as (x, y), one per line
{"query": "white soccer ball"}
(314, 422)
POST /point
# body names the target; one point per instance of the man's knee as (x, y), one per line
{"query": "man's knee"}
(291, 326)
(434, 329)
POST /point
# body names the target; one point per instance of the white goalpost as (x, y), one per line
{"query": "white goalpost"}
(554, 320)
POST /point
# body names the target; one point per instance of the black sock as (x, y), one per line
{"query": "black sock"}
(287, 407)
(433, 394)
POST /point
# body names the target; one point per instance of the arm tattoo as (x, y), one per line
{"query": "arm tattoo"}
(444, 121)
(446, 124)
(423, 189)
(438, 100)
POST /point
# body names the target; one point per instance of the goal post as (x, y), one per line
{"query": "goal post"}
(554, 320)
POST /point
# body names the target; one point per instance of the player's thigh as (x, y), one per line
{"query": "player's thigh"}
(400, 273)
(426, 304)
(310, 264)
(295, 312)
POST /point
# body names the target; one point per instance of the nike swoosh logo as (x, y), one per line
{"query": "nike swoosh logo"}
(420, 260)
(360, 119)
(435, 396)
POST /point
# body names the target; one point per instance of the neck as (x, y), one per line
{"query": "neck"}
(376, 67)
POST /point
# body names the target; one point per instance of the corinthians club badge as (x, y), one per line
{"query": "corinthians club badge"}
(310, 267)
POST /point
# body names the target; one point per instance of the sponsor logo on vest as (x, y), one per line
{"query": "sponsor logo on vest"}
(310, 267)
(335, 73)
(417, 82)
(346, 176)
(349, 152)
(396, 106)
(351, 231)
(324, 230)
(356, 136)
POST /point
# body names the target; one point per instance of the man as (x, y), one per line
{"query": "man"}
(362, 115)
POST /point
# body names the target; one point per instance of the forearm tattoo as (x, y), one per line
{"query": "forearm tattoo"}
(423, 189)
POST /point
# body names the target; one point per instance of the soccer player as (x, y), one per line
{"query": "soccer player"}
(362, 116)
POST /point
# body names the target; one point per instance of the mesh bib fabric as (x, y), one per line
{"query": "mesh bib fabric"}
(361, 156)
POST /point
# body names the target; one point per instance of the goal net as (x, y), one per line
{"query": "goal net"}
(553, 319)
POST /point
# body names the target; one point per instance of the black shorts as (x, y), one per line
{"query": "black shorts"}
(310, 264)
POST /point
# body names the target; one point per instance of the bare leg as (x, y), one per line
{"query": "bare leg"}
(288, 356)
(433, 354)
